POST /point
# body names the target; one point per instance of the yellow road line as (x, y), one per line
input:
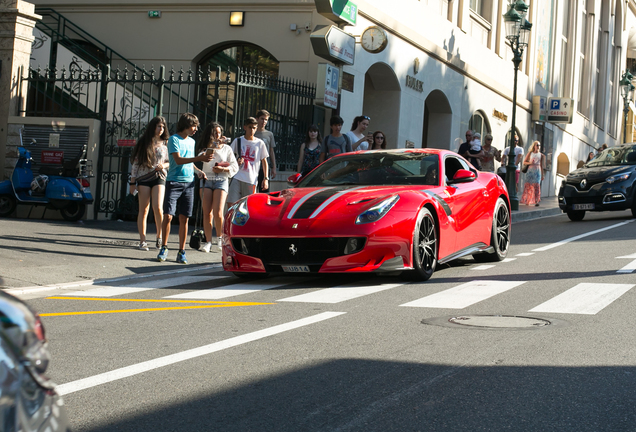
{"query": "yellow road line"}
(146, 310)
(153, 300)
(208, 304)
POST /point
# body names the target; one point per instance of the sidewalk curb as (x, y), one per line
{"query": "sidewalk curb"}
(535, 214)
(39, 288)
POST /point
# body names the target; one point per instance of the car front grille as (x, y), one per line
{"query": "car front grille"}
(276, 251)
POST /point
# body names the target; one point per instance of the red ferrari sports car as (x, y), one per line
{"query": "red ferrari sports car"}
(401, 210)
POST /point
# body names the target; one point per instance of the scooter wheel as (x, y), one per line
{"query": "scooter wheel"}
(7, 205)
(74, 211)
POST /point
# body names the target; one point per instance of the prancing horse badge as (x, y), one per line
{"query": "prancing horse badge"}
(293, 249)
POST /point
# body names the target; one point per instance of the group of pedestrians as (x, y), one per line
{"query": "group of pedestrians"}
(483, 155)
(316, 150)
(163, 171)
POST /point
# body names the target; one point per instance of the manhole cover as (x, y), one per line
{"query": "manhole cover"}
(493, 322)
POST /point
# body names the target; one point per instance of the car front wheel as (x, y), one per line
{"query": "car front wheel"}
(424, 248)
(500, 236)
(576, 215)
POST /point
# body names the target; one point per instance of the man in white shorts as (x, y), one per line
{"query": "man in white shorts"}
(250, 153)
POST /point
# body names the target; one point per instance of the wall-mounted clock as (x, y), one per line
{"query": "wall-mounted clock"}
(374, 39)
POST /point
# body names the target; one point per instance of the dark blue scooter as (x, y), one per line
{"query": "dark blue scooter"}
(65, 189)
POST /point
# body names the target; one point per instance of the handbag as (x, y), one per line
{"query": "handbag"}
(524, 168)
(197, 238)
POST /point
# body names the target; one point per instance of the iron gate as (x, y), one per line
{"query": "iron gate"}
(126, 100)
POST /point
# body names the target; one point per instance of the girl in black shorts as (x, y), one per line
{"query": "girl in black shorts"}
(148, 176)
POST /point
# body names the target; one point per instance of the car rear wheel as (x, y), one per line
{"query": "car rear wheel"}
(424, 248)
(500, 236)
(576, 215)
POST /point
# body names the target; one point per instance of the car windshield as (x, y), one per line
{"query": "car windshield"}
(376, 168)
(620, 155)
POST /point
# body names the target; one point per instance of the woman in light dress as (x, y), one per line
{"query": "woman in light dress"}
(534, 176)
(359, 140)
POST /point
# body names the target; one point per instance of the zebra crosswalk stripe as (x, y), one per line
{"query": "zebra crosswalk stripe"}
(338, 294)
(231, 290)
(112, 291)
(464, 295)
(584, 298)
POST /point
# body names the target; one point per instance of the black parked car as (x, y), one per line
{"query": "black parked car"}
(28, 401)
(606, 183)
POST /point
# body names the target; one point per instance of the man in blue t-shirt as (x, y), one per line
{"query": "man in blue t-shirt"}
(180, 183)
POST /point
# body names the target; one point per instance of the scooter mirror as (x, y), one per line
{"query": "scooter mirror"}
(33, 141)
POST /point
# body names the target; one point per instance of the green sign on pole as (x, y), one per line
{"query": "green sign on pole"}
(339, 11)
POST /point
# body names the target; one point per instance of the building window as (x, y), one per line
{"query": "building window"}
(599, 95)
(583, 93)
(614, 93)
(478, 123)
(476, 6)
(564, 89)
(440, 6)
(245, 56)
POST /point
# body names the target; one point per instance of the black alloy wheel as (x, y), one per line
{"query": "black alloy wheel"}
(74, 211)
(424, 248)
(7, 205)
(500, 236)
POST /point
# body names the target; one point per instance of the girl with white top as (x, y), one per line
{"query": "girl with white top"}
(216, 174)
(150, 165)
(359, 140)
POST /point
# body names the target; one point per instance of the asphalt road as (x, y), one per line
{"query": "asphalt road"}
(202, 350)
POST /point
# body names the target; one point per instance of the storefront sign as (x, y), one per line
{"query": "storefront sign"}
(338, 11)
(560, 110)
(126, 143)
(329, 75)
(499, 115)
(331, 43)
(52, 157)
(414, 83)
(539, 108)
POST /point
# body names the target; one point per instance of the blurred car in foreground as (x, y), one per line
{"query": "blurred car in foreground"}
(28, 401)
(606, 183)
(375, 211)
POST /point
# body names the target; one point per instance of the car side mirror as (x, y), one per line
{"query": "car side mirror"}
(463, 176)
(293, 179)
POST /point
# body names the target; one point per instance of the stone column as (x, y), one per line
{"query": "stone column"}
(17, 19)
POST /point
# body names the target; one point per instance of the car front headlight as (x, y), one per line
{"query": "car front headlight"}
(377, 212)
(617, 178)
(241, 214)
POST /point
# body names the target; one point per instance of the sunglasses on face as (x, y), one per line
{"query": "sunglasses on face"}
(379, 137)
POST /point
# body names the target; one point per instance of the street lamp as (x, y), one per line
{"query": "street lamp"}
(627, 92)
(517, 32)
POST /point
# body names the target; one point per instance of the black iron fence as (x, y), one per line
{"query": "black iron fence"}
(125, 101)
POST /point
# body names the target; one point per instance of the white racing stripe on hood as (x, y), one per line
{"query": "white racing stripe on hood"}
(332, 199)
(303, 199)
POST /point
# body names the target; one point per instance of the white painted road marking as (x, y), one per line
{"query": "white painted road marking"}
(111, 291)
(464, 295)
(584, 298)
(629, 267)
(525, 254)
(338, 294)
(149, 365)
(571, 239)
(230, 290)
(508, 260)
(483, 267)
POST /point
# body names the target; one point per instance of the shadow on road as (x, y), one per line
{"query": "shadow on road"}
(366, 395)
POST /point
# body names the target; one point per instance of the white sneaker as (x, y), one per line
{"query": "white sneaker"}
(143, 246)
(220, 242)
(206, 247)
